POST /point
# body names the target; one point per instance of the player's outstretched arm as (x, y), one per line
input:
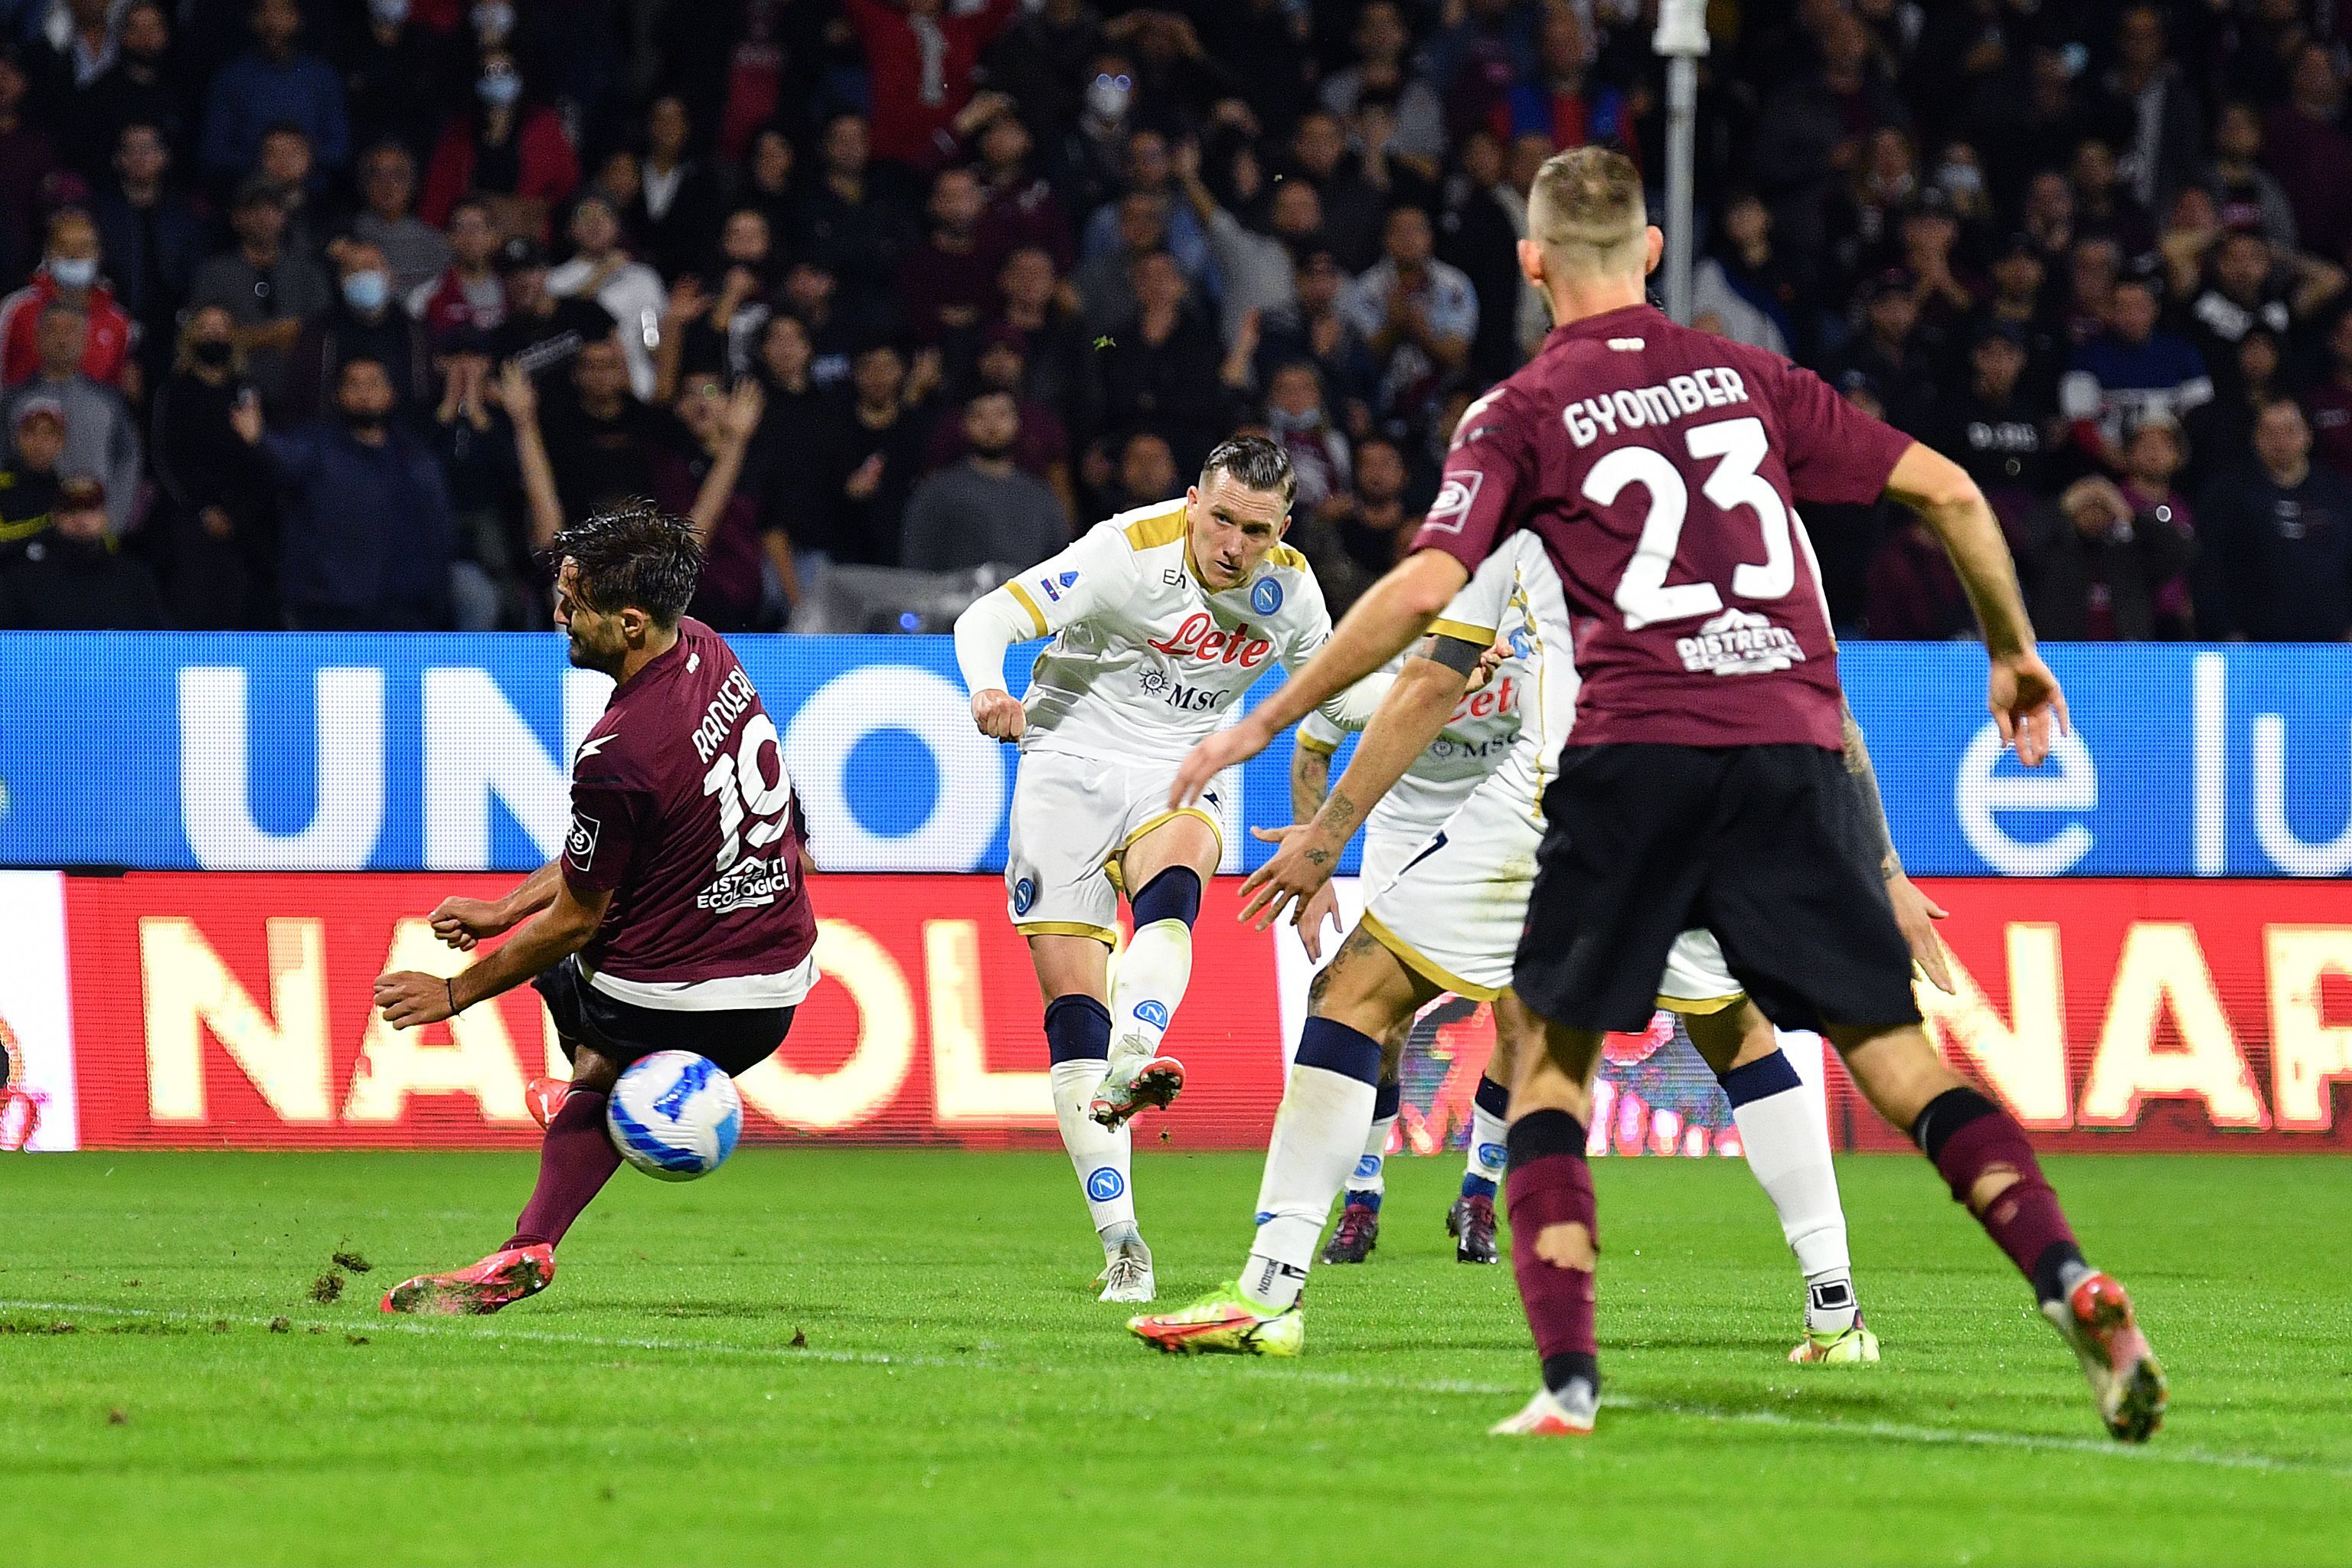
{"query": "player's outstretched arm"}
(410, 1000)
(1915, 912)
(2023, 693)
(1409, 717)
(462, 923)
(989, 626)
(1380, 626)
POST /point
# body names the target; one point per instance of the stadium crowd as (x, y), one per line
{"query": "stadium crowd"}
(327, 313)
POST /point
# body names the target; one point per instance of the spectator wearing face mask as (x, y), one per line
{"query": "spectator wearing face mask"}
(273, 83)
(365, 528)
(220, 545)
(72, 579)
(68, 276)
(504, 150)
(366, 324)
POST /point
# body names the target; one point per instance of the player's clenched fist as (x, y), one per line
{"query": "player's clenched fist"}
(462, 923)
(998, 714)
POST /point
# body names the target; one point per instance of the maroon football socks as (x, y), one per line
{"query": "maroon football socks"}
(1546, 1183)
(1970, 1139)
(574, 1163)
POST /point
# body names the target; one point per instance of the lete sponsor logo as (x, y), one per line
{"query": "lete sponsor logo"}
(1199, 639)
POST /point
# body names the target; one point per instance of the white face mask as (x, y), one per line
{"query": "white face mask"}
(1108, 96)
(1960, 179)
(74, 271)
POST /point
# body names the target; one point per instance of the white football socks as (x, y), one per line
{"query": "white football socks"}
(1788, 1147)
(1319, 1135)
(1153, 973)
(1371, 1174)
(1099, 1155)
(1485, 1157)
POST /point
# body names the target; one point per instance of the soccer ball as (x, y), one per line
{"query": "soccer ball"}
(675, 1115)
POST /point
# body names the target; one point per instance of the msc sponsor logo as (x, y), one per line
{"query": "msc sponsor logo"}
(1369, 1165)
(1267, 597)
(1738, 642)
(1024, 893)
(1103, 1183)
(1159, 687)
(1455, 498)
(1152, 1013)
(580, 843)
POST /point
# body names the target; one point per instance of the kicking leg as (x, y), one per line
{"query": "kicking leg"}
(1555, 1226)
(1164, 872)
(1983, 1156)
(1318, 1135)
(576, 1158)
(1071, 971)
(1788, 1147)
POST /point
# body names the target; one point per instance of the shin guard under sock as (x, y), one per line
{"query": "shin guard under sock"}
(1549, 1184)
(1969, 1137)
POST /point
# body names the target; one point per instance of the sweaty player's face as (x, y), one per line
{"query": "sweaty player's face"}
(596, 640)
(1232, 527)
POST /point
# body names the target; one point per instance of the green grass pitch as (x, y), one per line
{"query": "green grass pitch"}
(829, 1355)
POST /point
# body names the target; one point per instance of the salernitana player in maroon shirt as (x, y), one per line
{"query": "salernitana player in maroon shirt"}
(675, 917)
(1701, 783)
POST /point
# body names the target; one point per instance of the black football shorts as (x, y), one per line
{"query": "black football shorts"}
(738, 1039)
(1760, 845)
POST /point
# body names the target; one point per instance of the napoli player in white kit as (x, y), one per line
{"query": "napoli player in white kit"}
(1162, 617)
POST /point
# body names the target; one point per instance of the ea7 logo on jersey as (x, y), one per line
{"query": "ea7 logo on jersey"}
(1739, 642)
(1455, 498)
(580, 843)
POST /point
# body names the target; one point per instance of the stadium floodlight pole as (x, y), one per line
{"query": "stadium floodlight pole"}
(1680, 39)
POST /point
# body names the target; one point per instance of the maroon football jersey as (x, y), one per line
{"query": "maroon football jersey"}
(1662, 467)
(681, 808)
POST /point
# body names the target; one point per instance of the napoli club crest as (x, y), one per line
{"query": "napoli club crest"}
(1024, 893)
(1267, 597)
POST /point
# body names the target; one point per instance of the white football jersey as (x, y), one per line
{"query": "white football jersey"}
(1145, 660)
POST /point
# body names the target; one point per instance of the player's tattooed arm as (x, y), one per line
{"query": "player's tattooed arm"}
(1915, 912)
(1310, 780)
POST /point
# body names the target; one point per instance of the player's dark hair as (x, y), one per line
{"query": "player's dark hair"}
(1255, 462)
(632, 553)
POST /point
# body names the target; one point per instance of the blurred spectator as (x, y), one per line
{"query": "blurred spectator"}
(413, 248)
(2306, 147)
(149, 231)
(1021, 206)
(2103, 203)
(2093, 563)
(1887, 349)
(468, 294)
(142, 87)
(723, 334)
(398, 70)
(921, 58)
(2278, 541)
(541, 331)
(676, 213)
(1320, 332)
(2330, 399)
(71, 578)
(983, 509)
(599, 437)
(1816, 121)
(27, 160)
(269, 291)
(1040, 446)
(1914, 595)
(1152, 171)
(600, 269)
(2245, 194)
(365, 531)
(767, 182)
(366, 324)
(2242, 286)
(1382, 67)
(286, 162)
(2129, 372)
(1417, 315)
(1479, 226)
(2161, 125)
(878, 459)
(852, 220)
(699, 473)
(1147, 475)
(1997, 426)
(102, 441)
(949, 283)
(1056, 352)
(214, 502)
(1041, 61)
(1104, 281)
(1091, 157)
(1296, 418)
(1161, 370)
(28, 479)
(809, 298)
(69, 276)
(1741, 284)
(2019, 276)
(504, 150)
(2153, 458)
(2221, 434)
(1557, 103)
(1378, 526)
(800, 433)
(1257, 269)
(273, 83)
(1351, 204)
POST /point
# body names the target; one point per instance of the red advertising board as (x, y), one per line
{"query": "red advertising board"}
(216, 1009)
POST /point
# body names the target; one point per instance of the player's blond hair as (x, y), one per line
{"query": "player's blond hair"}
(1585, 209)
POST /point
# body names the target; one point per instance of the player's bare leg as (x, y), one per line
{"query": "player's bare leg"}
(1788, 1147)
(1362, 997)
(1163, 872)
(1471, 1219)
(1073, 973)
(1555, 1229)
(1985, 1159)
(576, 1158)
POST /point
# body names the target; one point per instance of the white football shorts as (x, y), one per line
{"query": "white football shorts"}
(1072, 817)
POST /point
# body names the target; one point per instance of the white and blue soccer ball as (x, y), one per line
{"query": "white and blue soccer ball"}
(675, 1115)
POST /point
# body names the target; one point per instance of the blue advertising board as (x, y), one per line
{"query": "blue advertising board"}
(347, 753)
